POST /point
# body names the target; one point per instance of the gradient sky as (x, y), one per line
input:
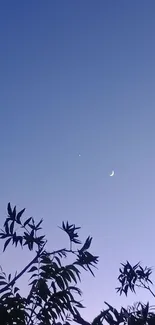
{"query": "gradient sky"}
(78, 77)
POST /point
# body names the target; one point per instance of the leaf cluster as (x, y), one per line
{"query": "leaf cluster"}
(54, 293)
(131, 277)
(29, 230)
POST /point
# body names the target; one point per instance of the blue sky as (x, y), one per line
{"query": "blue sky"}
(77, 77)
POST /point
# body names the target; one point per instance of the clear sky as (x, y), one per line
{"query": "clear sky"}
(78, 77)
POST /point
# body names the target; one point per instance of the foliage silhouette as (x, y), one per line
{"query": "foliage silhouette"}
(54, 295)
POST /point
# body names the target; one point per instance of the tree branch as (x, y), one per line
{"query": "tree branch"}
(63, 250)
(22, 272)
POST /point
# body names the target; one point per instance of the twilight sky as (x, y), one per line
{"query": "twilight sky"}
(77, 77)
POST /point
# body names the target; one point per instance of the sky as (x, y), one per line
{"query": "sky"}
(77, 78)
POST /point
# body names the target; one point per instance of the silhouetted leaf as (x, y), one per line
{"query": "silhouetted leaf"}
(75, 270)
(7, 228)
(125, 290)
(11, 227)
(6, 244)
(33, 268)
(3, 283)
(60, 282)
(16, 289)
(71, 274)
(33, 276)
(33, 282)
(19, 216)
(27, 221)
(2, 277)
(37, 226)
(58, 260)
(114, 311)
(86, 245)
(77, 290)
(14, 213)
(66, 277)
(9, 209)
(3, 236)
(135, 266)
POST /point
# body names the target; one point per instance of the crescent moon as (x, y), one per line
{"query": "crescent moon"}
(112, 173)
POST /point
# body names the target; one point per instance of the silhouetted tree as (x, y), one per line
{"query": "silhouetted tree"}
(53, 286)
(129, 278)
(53, 294)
